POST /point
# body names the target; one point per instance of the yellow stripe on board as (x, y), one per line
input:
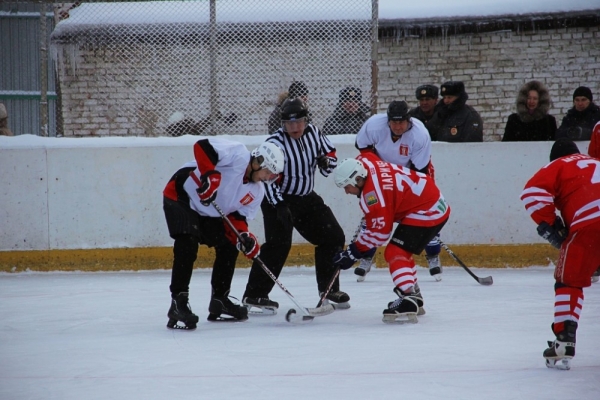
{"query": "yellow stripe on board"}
(135, 259)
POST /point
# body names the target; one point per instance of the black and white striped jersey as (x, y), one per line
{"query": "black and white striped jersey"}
(298, 177)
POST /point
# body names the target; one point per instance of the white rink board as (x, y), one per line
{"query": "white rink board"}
(107, 192)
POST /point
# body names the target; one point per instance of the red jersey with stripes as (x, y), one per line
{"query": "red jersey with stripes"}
(570, 184)
(396, 194)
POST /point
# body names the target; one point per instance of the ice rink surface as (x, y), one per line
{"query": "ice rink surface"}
(103, 336)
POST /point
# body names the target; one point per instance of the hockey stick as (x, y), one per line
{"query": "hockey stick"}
(337, 272)
(484, 281)
(307, 314)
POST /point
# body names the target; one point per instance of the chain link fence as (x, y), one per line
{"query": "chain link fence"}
(168, 68)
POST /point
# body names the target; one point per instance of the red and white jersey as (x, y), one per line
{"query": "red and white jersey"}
(396, 194)
(570, 184)
(594, 146)
(234, 193)
(413, 146)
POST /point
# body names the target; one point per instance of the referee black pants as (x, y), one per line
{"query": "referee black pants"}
(315, 222)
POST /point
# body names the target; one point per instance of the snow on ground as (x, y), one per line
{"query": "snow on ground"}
(103, 336)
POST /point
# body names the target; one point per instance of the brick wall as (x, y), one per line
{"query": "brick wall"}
(493, 66)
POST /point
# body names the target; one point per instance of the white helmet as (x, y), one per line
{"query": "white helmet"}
(346, 173)
(269, 156)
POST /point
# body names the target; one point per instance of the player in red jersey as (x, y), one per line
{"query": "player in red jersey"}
(594, 151)
(389, 193)
(570, 183)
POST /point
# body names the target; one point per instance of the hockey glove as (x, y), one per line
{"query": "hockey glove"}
(555, 234)
(248, 245)
(326, 164)
(284, 215)
(209, 184)
(346, 259)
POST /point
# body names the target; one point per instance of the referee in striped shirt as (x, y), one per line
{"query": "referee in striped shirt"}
(291, 202)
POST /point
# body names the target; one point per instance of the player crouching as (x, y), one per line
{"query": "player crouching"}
(389, 193)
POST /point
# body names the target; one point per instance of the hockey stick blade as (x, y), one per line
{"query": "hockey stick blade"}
(486, 281)
(294, 318)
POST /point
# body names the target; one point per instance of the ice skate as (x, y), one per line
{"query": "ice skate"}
(363, 269)
(435, 267)
(260, 305)
(420, 302)
(596, 276)
(402, 310)
(339, 300)
(180, 311)
(561, 351)
(222, 305)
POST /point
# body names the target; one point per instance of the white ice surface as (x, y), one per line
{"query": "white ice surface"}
(103, 336)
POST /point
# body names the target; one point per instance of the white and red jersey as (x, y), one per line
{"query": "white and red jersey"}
(414, 146)
(396, 194)
(570, 184)
(235, 193)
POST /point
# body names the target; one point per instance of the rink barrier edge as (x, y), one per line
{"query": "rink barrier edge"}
(152, 258)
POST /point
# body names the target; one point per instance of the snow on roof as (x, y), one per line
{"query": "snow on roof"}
(284, 10)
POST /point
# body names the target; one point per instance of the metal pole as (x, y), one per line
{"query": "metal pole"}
(374, 47)
(214, 106)
(43, 72)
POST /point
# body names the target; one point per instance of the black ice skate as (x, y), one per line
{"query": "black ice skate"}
(596, 276)
(222, 305)
(339, 300)
(402, 310)
(560, 352)
(435, 267)
(260, 305)
(363, 268)
(180, 311)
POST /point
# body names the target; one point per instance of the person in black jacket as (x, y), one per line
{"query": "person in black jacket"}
(349, 114)
(427, 95)
(531, 122)
(454, 120)
(580, 120)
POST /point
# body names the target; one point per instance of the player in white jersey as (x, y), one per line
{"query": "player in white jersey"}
(398, 138)
(228, 168)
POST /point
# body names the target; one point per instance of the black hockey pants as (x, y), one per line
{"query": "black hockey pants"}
(315, 221)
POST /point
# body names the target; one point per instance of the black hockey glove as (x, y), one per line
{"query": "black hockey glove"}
(346, 259)
(284, 215)
(555, 234)
(326, 165)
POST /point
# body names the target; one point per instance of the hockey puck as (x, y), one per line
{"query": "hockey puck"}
(288, 315)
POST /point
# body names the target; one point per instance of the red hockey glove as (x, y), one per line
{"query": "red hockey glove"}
(209, 184)
(248, 245)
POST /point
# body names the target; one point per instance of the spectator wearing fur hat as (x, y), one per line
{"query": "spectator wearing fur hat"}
(349, 114)
(427, 95)
(580, 120)
(531, 122)
(4, 130)
(454, 120)
(296, 89)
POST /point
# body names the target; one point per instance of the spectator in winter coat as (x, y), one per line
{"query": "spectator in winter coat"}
(454, 120)
(427, 95)
(296, 89)
(349, 114)
(531, 122)
(580, 120)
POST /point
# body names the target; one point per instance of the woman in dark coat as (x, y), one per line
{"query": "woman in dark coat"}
(531, 122)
